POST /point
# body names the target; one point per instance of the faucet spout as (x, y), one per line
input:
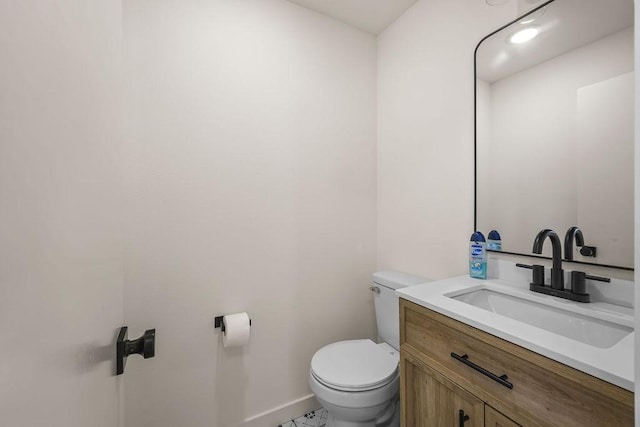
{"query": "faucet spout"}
(557, 275)
(573, 232)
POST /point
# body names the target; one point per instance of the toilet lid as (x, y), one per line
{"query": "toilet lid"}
(356, 365)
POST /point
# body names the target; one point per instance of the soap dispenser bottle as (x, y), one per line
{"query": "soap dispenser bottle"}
(478, 256)
(494, 243)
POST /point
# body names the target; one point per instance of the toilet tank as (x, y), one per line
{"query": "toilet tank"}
(386, 303)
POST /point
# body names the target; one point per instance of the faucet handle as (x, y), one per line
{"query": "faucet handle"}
(598, 278)
(538, 273)
(530, 267)
(588, 251)
(578, 283)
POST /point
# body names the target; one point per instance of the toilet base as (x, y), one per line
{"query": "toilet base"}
(390, 418)
(332, 422)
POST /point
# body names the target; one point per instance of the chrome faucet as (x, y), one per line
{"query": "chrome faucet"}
(573, 232)
(557, 274)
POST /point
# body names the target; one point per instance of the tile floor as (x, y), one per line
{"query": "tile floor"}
(317, 418)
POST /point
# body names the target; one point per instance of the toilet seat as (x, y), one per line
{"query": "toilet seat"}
(355, 365)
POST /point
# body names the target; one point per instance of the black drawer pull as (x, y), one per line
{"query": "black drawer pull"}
(465, 359)
(462, 418)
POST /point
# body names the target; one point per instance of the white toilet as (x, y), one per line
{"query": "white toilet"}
(358, 381)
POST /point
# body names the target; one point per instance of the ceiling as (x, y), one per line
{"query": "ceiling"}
(564, 25)
(372, 16)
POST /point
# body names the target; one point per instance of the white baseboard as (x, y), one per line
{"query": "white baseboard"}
(283, 413)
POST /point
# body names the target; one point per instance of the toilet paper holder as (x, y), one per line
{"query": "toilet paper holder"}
(218, 323)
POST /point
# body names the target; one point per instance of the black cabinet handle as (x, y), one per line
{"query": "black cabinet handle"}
(462, 418)
(500, 379)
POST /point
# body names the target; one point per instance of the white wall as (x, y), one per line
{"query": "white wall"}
(231, 204)
(425, 134)
(606, 112)
(61, 265)
(250, 176)
(637, 203)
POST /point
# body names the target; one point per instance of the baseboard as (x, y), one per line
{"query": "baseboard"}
(283, 413)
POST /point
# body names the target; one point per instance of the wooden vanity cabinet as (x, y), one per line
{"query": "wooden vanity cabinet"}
(438, 380)
(434, 400)
(493, 418)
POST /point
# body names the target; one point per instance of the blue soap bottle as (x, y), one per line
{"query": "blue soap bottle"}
(494, 243)
(478, 256)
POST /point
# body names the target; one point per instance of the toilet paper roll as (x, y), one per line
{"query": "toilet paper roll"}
(236, 330)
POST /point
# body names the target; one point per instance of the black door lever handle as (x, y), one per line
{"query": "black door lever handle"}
(144, 346)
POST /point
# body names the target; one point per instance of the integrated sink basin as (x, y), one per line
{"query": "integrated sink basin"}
(596, 337)
(580, 327)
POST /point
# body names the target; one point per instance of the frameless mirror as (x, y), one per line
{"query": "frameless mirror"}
(555, 128)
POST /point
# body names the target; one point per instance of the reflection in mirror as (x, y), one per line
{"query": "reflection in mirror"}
(554, 129)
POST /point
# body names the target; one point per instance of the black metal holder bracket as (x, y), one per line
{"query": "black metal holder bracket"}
(144, 346)
(218, 323)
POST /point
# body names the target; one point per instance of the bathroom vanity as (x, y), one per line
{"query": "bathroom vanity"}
(462, 363)
(491, 352)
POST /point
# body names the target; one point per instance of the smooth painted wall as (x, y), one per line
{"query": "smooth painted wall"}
(637, 201)
(250, 182)
(61, 260)
(425, 134)
(301, 267)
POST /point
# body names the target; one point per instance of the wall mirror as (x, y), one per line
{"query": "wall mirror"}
(555, 128)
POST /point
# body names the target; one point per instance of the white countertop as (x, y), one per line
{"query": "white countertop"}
(614, 364)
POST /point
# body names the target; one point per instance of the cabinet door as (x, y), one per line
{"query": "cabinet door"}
(493, 418)
(429, 399)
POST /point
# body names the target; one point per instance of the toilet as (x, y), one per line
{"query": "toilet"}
(358, 381)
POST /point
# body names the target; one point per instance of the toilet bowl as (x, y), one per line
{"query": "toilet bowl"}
(357, 382)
